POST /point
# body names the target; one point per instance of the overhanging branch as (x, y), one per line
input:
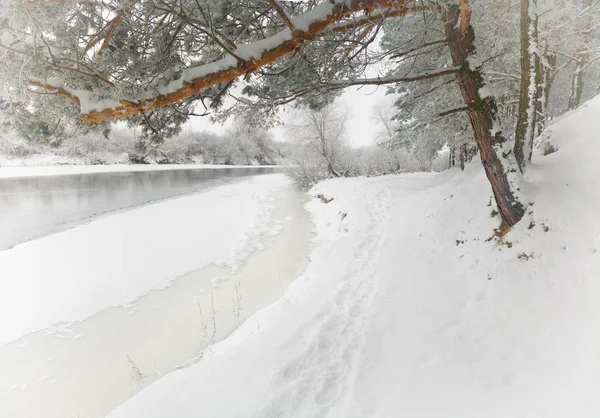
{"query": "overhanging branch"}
(60, 67)
(257, 54)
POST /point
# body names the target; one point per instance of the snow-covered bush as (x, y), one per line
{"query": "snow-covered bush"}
(305, 168)
(241, 145)
(96, 148)
(376, 161)
(12, 146)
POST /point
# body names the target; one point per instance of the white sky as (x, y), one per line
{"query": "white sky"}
(362, 102)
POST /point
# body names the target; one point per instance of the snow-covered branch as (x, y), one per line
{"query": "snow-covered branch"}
(308, 26)
(378, 17)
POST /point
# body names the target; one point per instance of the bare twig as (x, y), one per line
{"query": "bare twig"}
(61, 67)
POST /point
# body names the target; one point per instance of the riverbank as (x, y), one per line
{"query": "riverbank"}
(93, 365)
(124, 145)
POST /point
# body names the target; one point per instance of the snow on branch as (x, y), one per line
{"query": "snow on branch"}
(307, 27)
(504, 75)
(378, 17)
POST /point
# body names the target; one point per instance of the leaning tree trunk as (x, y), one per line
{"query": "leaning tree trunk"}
(531, 87)
(481, 111)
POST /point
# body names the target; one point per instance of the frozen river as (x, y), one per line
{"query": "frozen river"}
(89, 367)
(31, 207)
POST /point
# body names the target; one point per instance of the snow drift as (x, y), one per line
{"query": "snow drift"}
(410, 306)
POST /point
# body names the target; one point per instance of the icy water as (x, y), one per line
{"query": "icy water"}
(34, 207)
(95, 365)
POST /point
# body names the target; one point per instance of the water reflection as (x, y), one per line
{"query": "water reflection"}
(36, 206)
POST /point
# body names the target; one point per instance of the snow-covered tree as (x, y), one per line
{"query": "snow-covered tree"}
(324, 147)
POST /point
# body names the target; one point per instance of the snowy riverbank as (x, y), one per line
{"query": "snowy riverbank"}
(94, 365)
(112, 261)
(410, 307)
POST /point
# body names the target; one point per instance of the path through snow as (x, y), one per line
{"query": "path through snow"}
(317, 377)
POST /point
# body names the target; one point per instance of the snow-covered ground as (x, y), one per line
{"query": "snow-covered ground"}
(55, 170)
(411, 308)
(112, 261)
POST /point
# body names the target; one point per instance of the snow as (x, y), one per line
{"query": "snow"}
(55, 170)
(55, 82)
(255, 49)
(6, 38)
(112, 261)
(88, 100)
(38, 160)
(319, 12)
(410, 306)
(484, 92)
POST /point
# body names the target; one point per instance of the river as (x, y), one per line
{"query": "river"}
(31, 207)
